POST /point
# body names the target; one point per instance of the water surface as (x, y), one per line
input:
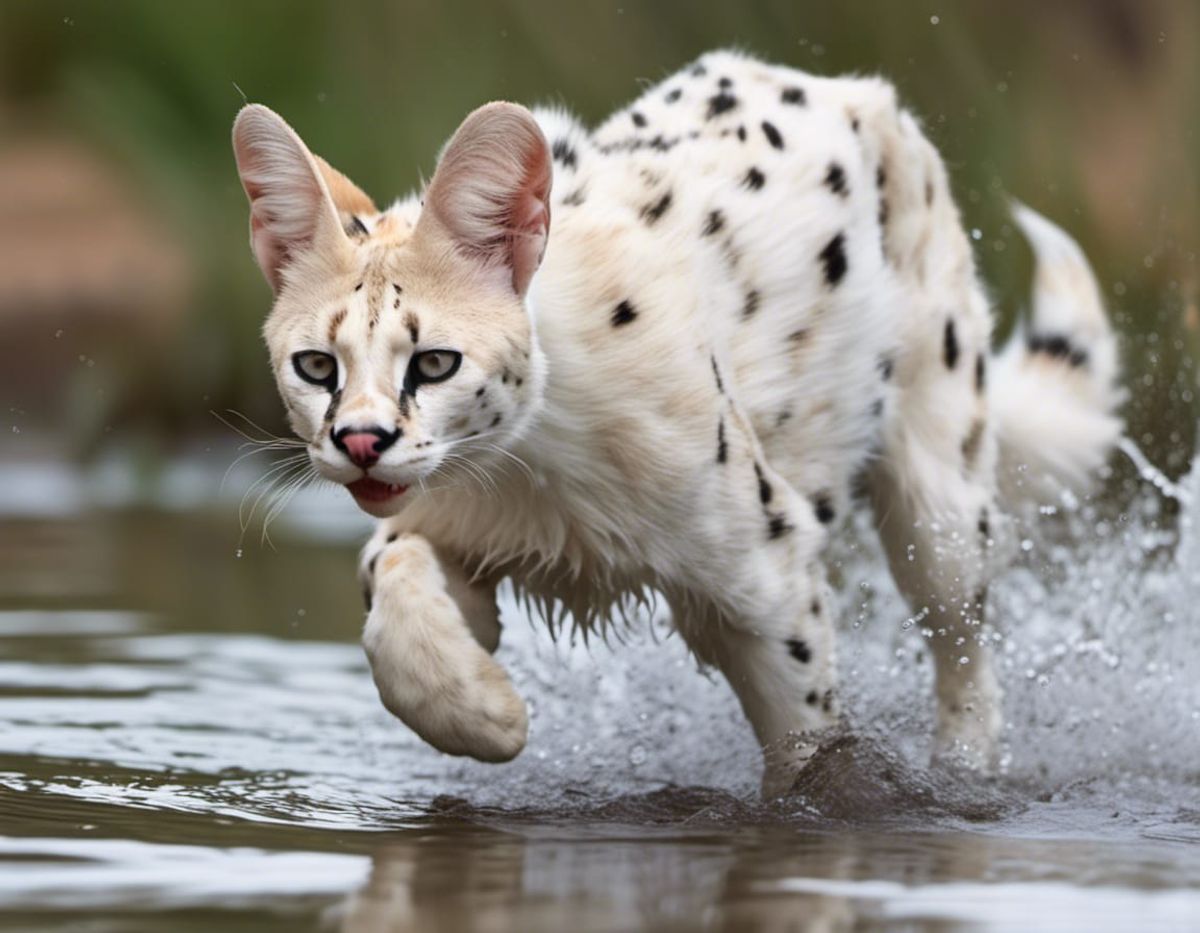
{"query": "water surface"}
(189, 737)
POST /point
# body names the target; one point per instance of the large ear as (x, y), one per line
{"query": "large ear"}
(291, 209)
(491, 190)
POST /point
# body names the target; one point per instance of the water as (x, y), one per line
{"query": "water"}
(190, 738)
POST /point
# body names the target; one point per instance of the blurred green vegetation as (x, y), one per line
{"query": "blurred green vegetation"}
(1086, 109)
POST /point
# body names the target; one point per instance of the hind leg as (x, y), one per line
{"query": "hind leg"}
(936, 525)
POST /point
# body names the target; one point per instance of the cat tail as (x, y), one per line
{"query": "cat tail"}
(1054, 392)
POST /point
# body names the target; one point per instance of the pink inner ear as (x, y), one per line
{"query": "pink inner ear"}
(531, 219)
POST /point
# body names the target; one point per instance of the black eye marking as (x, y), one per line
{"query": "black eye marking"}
(334, 400)
(638, 120)
(652, 212)
(429, 367)
(950, 345)
(833, 257)
(773, 135)
(713, 224)
(316, 368)
(835, 178)
(754, 179)
(414, 328)
(799, 650)
(623, 313)
(794, 95)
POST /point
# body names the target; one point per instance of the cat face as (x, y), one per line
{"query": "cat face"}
(401, 344)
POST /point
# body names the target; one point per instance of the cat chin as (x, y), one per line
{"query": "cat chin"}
(380, 500)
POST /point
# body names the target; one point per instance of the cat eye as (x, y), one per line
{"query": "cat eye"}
(435, 365)
(316, 367)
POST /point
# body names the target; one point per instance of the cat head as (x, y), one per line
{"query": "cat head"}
(400, 341)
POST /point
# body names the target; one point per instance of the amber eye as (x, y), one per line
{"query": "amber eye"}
(435, 365)
(316, 367)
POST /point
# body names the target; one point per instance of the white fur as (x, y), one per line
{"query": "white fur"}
(741, 309)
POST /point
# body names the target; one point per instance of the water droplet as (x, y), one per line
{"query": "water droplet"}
(637, 755)
(935, 19)
(238, 553)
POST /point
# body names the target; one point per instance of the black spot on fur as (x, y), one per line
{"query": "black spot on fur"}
(764, 488)
(397, 287)
(356, 228)
(358, 287)
(562, 151)
(754, 179)
(725, 83)
(719, 103)
(835, 178)
(393, 536)
(652, 212)
(928, 194)
(773, 135)
(886, 368)
(823, 508)
(827, 701)
(638, 120)
(973, 442)
(816, 606)
(1057, 346)
(980, 373)
(750, 305)
(479, 392)
(496, 421)
(799, 650)
(798, 336)
(741, 134)
(623, 313)
(777, 527)
(698, 71)
(722, 445)
(783, 417)
(985, 524)
(574, 199)
(673, 95)
(717, 374)
(880, 177)
(371, 565)
(877, 408)
(794, 95)
(813, 698)
(884, 212)
(833, 258)
(713, 223)
(855, 124)
(950, 345)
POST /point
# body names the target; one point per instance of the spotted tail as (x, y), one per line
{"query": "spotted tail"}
(1055, 390)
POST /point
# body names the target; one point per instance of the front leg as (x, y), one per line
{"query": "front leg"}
(428, 638)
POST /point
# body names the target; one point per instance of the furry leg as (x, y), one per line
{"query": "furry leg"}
(428, 637)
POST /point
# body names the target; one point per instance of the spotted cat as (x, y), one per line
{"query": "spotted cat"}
(658, 356)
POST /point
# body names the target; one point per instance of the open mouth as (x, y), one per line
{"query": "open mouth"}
(372, 490)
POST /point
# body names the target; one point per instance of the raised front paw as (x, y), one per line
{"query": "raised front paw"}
(430, 670)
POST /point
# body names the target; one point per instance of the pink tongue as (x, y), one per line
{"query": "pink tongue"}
(373, 490)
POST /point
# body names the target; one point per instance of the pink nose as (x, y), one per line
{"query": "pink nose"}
(360, 448)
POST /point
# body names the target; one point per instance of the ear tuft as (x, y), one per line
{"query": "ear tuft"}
(290, 206)
(491, 190)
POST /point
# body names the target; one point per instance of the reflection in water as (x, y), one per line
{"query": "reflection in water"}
(189, 732)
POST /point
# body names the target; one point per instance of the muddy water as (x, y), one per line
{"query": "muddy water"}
(189, 739)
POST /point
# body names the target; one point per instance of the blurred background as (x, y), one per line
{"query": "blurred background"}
(129, 303)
